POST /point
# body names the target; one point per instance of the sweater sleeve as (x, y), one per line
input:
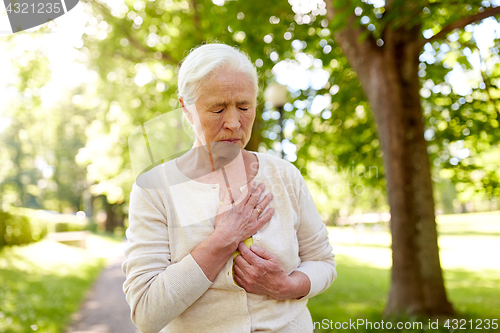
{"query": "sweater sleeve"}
(315, 251)
(156, 290)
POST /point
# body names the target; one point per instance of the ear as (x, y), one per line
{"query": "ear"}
(185, 110)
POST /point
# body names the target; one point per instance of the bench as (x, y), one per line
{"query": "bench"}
(73, 238)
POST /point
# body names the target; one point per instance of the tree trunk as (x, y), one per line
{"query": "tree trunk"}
(110, 216)
(389, 77)
(411, 199)
(256, 136)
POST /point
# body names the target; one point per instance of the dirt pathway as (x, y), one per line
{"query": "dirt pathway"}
(105, 309)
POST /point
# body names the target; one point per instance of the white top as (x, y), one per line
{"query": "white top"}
(166, 287)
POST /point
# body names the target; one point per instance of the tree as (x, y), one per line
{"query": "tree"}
(387, 64)
(39, 145)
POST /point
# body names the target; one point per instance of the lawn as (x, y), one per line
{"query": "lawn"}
(42, 284)
(470, 248)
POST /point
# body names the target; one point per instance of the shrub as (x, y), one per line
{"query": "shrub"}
(54, 221)
(19, 229)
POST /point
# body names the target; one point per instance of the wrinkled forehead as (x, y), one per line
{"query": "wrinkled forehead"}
(227, 86)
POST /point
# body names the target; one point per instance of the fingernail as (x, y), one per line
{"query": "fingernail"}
(253, 183)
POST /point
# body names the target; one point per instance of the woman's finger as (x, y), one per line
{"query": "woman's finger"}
(261, 206)
(262, 252)
(239, 281)
(239, 272)
(242, 263)
(254, 198)
(250, 189)
(263, 219)
(242, 200)
(249, 256)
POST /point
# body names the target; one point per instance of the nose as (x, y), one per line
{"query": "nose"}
(232, 119)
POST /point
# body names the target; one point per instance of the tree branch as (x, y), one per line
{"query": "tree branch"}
(348, 39)
(148, 50)
(196, 21)
(462, 23)
(196, 18)
(144, 48)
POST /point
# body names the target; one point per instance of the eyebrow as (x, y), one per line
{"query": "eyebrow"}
(223, 103)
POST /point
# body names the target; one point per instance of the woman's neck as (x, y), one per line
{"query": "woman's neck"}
(202, 160)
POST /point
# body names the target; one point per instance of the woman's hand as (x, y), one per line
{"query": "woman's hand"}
(236, 223)
(233, 225)
(258, 271)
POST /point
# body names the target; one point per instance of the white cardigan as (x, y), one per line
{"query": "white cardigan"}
(166, 287)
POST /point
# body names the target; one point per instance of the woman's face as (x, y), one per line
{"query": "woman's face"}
(224, 110)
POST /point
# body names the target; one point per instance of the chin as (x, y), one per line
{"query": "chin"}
(241, 144)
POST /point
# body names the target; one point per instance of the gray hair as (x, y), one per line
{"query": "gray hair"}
(205, 60)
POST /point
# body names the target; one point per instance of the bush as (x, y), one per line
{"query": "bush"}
(54, 221)
(19, 229)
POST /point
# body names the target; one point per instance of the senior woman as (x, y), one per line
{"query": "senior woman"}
(202, 208)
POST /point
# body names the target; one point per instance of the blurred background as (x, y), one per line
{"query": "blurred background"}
(389, 109)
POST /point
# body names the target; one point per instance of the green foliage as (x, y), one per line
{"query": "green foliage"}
(157, 36)
(20, 230)
(463, 122)
(83, 138)
(38, 149)
(436, 14)
(154, 37)
(53, 221)
(343, 137)
(42, 285)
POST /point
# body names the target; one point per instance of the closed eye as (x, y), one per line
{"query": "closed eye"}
(219, 111)
(244, 109)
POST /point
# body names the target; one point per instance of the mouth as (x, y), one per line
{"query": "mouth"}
(231, 140)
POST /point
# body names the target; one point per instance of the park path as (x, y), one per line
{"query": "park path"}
(105, 309)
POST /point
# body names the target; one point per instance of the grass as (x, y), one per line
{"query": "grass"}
(470, 247)
(42, 284)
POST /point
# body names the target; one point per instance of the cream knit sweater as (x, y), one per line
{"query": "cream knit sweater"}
(165, 287)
